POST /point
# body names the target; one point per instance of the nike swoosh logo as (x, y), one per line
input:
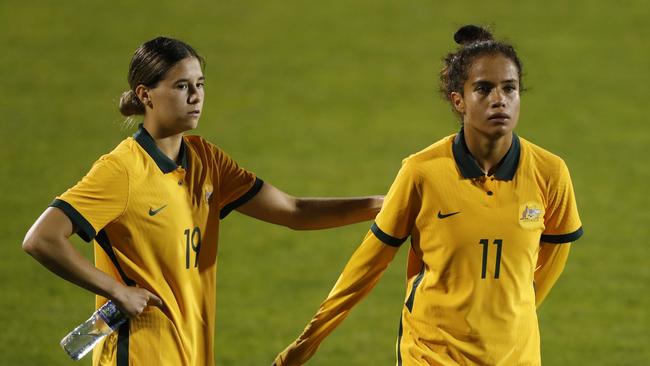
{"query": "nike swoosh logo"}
(153, 212)
(444, 216)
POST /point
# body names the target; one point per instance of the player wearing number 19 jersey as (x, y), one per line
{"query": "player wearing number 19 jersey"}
(153, 207)
(156, 224)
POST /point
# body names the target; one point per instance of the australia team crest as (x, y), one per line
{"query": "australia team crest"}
(531, 215)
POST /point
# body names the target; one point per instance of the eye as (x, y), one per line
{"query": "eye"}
(182, 86)
(509, 88)
(483, 89)
(200, 85)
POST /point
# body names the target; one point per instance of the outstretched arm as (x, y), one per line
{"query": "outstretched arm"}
(393, 225)
(550, 263)
(359, 276)
(272, 205)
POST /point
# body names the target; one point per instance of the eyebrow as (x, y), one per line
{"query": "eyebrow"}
(483, 82)
(202, 78)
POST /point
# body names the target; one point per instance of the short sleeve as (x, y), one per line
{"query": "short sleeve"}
(401, 206)
(98, 199)
(561, 220)
(236, 185)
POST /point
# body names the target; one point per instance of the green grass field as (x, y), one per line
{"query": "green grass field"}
(325, 99)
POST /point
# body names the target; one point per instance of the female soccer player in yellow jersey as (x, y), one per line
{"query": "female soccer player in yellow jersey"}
(490, 216)
(154, 205)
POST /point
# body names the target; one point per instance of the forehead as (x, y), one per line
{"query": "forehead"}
(187, 68)
(495, 68)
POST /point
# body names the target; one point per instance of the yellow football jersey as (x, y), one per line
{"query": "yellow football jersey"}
(157, 225)
(475, 240)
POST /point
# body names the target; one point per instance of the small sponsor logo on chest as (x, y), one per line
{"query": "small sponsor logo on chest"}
(153, 212)
(445, 215)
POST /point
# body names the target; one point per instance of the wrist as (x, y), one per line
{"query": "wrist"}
(114, 291)
(377, 202)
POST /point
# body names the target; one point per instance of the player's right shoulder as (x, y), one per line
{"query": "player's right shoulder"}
(123, 152)
(434, 154)
(124, 156)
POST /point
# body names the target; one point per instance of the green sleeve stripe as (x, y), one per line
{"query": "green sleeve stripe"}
(81, 225)
(122, 358)
(243, 199)
(416, 283)
(563, 238)
(385, 238)
(399, 342)
(105, 243)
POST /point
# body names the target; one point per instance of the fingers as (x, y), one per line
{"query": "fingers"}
(154, 301)
(133, 300)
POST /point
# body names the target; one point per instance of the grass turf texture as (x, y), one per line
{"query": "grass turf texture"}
(326, 99)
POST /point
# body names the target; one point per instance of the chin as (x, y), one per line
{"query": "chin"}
(496, 131)
(189, 124)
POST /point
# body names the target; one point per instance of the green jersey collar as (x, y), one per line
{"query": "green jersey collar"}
(165, 164)
(468, 167)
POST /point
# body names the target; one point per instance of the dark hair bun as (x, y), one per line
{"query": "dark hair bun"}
(130, 104)
(471, 33)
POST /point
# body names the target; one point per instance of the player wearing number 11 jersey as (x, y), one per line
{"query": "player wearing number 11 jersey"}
(490, 217)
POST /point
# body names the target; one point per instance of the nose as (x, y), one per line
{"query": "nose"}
(497, 98)
(195, 95)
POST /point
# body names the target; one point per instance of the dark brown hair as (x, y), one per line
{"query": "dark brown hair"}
(150, 63)
(474, 42)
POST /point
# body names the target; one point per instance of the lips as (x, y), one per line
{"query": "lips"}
(499, 116)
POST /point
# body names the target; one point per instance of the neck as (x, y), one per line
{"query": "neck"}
(168, 142)
(487, 152)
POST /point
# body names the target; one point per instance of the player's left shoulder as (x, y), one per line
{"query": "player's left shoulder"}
(541, 159)
(197, 141)
(206, 153)
(199, 146)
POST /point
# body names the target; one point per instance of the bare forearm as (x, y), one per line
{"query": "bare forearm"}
(322, 213)
(59, 256)
(47, 241)
(272, 205)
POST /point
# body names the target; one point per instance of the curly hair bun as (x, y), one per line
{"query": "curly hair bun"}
(471, 33)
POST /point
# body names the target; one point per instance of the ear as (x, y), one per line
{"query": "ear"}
(458, 102)
(143, 94)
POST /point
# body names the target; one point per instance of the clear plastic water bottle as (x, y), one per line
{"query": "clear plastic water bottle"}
(83, 338)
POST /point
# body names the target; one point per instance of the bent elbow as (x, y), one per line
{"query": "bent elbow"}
(295, 222)
(295, 212)
(34, 244)
(30, 244)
